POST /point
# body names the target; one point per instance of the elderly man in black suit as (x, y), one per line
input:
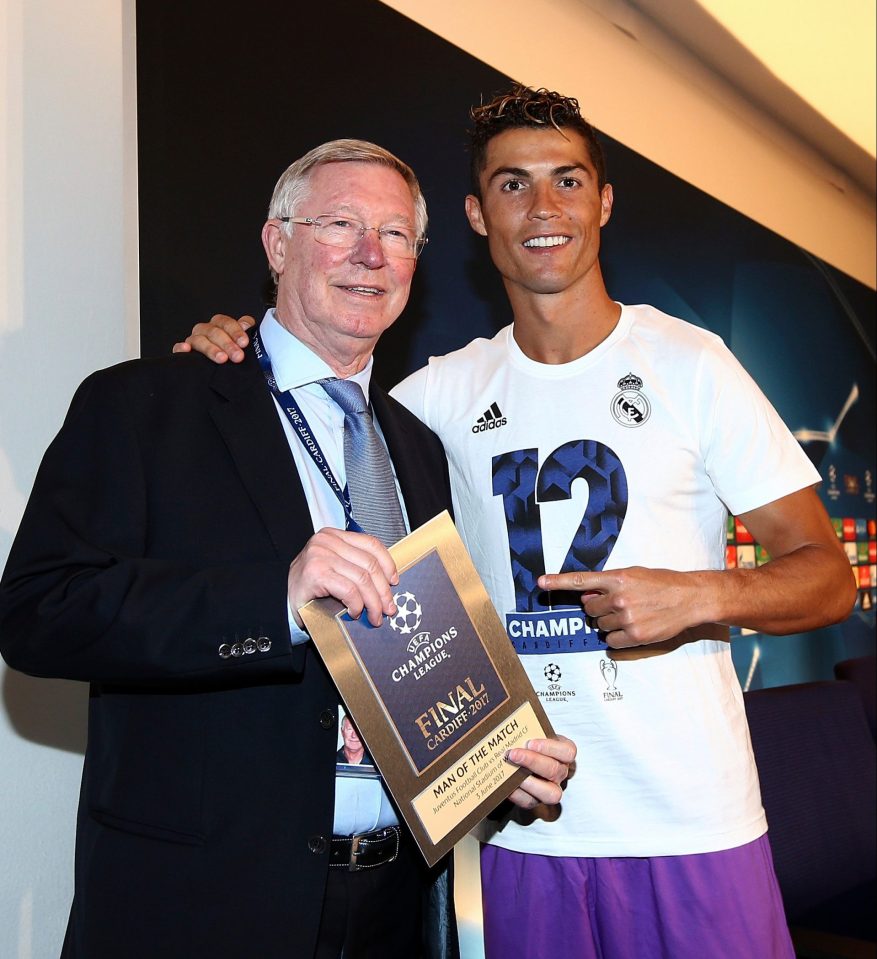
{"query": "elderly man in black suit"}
(210, 823)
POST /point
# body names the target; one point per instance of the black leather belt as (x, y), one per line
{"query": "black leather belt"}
(365, 851)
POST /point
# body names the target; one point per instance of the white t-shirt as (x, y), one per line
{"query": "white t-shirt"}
(629, 456)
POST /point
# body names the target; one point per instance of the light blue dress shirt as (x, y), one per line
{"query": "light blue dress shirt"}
(361, 803)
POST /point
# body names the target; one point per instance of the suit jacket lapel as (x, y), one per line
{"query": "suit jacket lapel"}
(245, 415)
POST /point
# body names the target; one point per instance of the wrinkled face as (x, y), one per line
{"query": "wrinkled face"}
(341, 299)
(540, 209)
(352, 742)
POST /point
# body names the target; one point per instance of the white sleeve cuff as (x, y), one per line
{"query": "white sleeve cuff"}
(296, 634)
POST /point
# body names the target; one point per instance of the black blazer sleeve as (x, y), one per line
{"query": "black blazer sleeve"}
(116, 572)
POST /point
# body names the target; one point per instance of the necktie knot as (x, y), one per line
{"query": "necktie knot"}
(371, 487)
(347, 394)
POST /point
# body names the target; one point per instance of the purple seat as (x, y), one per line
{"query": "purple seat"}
(817, 762)
(862, 673)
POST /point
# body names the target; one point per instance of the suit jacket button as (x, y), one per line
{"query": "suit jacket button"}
(237, 649)
(249, 645)
(317, 844)
(225, 651)
(263, 644)
(327, 719)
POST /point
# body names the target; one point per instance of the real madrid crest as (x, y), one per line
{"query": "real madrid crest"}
(630, 407)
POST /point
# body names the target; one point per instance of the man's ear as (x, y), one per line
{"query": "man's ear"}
(606, 200)
(474, 214)
(274, 241)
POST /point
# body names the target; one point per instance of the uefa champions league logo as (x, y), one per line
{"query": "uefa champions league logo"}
(552, 672)
(425, 650)
(408, 613)
(554, 692)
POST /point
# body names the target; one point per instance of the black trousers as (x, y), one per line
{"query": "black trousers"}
(375, 913)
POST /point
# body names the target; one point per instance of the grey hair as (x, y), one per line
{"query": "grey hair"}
(292, 187)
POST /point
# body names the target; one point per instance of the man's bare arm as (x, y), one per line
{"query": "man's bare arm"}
(808, 583)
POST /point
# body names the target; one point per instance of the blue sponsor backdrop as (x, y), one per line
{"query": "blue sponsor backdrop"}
(806, 334)
(219, 119)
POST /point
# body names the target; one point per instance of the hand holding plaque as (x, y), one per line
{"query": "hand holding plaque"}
(438, 693)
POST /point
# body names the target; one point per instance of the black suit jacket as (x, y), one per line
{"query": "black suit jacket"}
(161, 527)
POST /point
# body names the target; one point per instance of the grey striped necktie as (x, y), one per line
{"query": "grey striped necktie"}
(373, 498)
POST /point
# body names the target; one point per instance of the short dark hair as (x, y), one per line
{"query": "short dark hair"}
(524, 107)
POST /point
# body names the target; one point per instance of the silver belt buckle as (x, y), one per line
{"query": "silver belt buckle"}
(354, 866)
(388, 831)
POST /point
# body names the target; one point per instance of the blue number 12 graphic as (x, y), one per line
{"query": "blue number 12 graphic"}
(523, 485)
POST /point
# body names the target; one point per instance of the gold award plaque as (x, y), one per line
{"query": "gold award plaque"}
(436, 691)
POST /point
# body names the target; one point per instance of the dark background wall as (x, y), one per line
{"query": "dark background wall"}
(228, 98)
(226, 102)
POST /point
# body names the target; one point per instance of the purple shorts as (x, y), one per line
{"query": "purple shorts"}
(720, 904)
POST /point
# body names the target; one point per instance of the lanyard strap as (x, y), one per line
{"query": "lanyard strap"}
(303, 431)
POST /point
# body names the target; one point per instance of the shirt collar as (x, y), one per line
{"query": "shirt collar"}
(296, 365)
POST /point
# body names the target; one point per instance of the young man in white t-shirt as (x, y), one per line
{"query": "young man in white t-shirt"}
(595, 451)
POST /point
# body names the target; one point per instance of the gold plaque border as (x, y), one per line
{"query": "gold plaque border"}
(365, 705)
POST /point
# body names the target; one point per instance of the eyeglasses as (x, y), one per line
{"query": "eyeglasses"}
(343, 231)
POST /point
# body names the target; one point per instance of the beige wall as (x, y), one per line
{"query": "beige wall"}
(68, 304)
(642, 89)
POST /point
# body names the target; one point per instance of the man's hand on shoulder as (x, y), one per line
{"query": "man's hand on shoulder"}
(220, 340)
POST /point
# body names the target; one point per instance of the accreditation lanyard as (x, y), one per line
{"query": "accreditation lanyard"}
(303, 431)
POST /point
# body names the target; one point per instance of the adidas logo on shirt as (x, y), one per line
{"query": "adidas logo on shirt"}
(491, 419)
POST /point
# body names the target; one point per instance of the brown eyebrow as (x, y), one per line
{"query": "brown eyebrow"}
(511, 171)
(526, 175)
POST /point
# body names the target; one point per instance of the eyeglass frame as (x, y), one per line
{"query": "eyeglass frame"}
(419, 241)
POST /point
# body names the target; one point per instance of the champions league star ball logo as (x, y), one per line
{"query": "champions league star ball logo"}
(552, 672)
(630, 407)
(408, 613)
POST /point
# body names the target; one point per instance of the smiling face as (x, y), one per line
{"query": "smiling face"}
(339, 301)
(349, 734)
(541, 210)
(353, 747)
